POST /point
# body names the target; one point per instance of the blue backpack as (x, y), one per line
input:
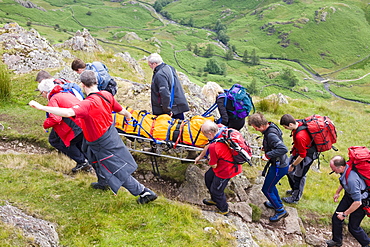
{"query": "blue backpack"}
(70, 87)
(105, 81)
(241, 101)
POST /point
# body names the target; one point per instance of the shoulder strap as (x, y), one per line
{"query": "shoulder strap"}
(101, 96)
(302, 127)
(98, 76)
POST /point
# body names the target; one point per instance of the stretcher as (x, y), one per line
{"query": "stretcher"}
(162, 136)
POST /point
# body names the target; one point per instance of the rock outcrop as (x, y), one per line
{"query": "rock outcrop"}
(25, 51)
(82, 41)
(40, 232)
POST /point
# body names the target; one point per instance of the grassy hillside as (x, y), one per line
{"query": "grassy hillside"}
(325, 36)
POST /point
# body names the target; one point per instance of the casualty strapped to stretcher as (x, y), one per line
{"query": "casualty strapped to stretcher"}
(164, 128)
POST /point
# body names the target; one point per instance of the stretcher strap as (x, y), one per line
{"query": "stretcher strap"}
(135, 123)
(180, 133)
(141, 114)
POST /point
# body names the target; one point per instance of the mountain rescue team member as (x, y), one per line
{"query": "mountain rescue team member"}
(227, 117)
(105, 81)
(303, 154)
(221, 170)
(105, 150)
(277, 161)
(164, 76)
(66, 134)
(350, 205)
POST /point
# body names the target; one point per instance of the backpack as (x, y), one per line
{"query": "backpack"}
(240, 149)
(70, 87)
(359, 161)
(322, 131)
(105, 81)
(240, 99)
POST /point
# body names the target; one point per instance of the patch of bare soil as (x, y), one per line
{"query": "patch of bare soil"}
(19, 147)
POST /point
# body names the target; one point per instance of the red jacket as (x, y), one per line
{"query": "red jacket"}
(302, 141)
(66, 128)
(220, 155)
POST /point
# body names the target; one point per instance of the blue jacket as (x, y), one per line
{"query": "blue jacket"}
(161, 92)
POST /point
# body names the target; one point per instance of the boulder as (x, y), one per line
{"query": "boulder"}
(82, 41)
(25, 51)
(42, 233)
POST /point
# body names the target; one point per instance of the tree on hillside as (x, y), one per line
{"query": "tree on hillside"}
(189, 46)
(252, 87)
(196, 50)
(221, 36)
(245, 57)
(255, 60)
(229, 54)
(219, 26)
(233, 48)
(166, 14)
(191, 22)
(223, 69)
(209, 51)
(289, 76)
(213, 67)
(160, 4)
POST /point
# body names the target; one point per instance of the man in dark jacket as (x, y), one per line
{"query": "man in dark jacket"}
(275, 155)
(105, 149)
(167, 94)
(228, 118)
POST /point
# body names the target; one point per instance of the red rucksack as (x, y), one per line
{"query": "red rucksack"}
(359, 161)
(240, 148)
(322, 130)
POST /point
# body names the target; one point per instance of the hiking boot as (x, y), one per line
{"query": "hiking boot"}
(290, 200)
(225, 213)
(268, 204)
(146, 196)
(279, 215)
(81, 166)
(209, 202)
(98, 186)
(332, 243)
(289, 192)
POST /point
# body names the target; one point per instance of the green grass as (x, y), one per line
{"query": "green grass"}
(86, 217)
(324, 46)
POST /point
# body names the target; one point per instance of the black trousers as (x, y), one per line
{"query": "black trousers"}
(73, 151)
(216, 187)
(355, 219)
